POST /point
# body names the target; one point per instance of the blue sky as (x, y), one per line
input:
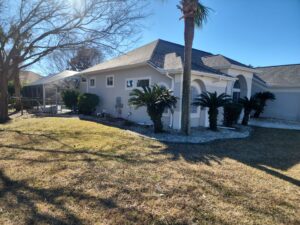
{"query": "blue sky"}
(256, 32)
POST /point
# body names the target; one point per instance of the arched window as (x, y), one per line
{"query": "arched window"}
(236, 94)
(194, 94)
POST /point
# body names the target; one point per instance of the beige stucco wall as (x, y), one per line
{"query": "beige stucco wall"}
(108, 95)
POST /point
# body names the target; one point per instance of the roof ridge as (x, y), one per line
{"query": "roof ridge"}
(183, 46)
(295, 64)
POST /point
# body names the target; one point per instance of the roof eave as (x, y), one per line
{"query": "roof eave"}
(112, 69)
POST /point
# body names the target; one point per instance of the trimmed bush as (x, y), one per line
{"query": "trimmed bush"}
(70, 98)
(232, 112)
(87, 103)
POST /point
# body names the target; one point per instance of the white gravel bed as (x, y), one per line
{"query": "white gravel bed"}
(198, 135)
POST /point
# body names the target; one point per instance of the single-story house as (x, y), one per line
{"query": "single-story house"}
(161, 62)
(284, 82)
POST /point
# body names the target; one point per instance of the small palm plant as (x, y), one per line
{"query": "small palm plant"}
(262, 98)
(213, 102)
(248, 105)
(156, 99)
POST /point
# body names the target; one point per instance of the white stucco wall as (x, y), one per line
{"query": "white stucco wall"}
(287, 103)
(108, 95)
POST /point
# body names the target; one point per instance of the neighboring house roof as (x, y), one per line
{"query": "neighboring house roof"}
(280, 76)
(27, 77)
(54, 78)
(161, 55)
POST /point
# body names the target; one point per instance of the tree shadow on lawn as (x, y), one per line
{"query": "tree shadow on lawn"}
(17, 195)
(266, 148)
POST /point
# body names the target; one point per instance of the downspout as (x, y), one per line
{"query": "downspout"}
(172, 88)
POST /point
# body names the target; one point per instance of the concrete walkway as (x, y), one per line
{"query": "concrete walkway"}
(275, 123)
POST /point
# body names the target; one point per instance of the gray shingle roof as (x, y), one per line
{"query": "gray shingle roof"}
(281, 76)
(160, 54)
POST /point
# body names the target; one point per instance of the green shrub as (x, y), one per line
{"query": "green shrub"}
(70, 98)
(87, 103)
(232, 112)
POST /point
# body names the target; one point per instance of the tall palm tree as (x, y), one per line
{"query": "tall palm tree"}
(262, 98)
(248, 105)
(213, 102)
(194, 14)
(156, 99)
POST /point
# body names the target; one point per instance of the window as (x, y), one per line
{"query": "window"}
(129, 84)
(83, 79)
(194, 94)
(143, 83)
(109, 81)
(236, 94)
(92, 82)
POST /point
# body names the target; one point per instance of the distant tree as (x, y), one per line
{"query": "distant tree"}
(156, 99)
(30, 30)
(85, 58)
(76, 59)
(249, 105)
(262, 98)
(213, 102)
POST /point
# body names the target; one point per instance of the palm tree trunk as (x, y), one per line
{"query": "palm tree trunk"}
(3, 98)
(157, 123)
(213, 119)
(189, 29)
(246, 118)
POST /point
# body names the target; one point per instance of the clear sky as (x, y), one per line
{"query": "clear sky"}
(256, 32)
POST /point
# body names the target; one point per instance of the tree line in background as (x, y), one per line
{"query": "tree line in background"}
(31, 30)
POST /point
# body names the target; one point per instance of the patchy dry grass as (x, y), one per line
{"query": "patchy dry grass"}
(67, 171)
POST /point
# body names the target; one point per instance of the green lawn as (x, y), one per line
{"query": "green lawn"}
(67, 171)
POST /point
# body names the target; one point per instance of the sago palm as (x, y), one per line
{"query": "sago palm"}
(262, 98)
(156, 99)
(194, 14)
(213, 102)
(248, 106)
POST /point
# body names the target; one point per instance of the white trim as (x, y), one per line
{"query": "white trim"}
(196, 114)
(110, 76)
(89, 82)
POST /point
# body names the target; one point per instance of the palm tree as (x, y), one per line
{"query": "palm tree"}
(262, 98)
(156, 99)
(248, 105)
(194, 14)
(213, 102)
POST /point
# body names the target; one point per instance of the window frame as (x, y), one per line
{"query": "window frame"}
(195, 114)
(133, 85)
(135, 81)
(113, 81)
(90, 79)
